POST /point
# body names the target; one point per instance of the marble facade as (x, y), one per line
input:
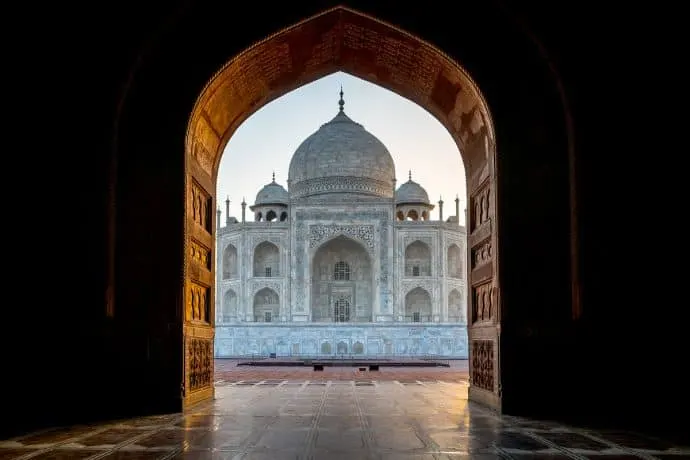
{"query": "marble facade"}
(342, 262)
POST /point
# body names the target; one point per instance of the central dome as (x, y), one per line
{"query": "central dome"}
(341, 158)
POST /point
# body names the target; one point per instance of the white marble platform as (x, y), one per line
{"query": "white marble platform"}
(321, 339)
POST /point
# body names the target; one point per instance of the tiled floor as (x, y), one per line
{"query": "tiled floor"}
(277, 419)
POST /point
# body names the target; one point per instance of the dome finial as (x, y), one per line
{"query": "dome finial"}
(410, 175)
(274, 176)
(341, 102)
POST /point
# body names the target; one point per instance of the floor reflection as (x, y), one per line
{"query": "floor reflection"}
(335, 420)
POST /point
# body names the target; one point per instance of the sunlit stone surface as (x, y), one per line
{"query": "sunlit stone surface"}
(384, 417)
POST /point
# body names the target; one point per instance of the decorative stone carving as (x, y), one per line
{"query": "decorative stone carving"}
(335, 184)
(481, 254)
(256, 286)
(201, 206)
(200, 254)
(275, 238)
(200, 356)
(423, 237)
(482, 296)
(383, 266)
(412, 64)
(362, 233)
(426, 284)
(198, 303)
(202, 156)
(480, 206)
(482, 366)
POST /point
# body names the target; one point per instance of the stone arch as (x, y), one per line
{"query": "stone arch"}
(283, 216)
(454, 261)
(271, 215)
(266, 260)
(327, 289)
(418, 307)
(417, 259)
(326, 348)
(354, 236)
(229, 306)
(230, 262)
(266, 305)
(412, 215)
(456, 311)
(448, 93)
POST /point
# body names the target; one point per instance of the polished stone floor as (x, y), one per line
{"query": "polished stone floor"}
(277, 419)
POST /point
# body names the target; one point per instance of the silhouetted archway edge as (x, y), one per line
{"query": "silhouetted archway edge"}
(346, 40)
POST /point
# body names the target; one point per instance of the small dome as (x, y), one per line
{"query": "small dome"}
(341, 158)
(411, 192)
(272, 193)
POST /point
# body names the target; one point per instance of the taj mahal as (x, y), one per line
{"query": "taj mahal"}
(341, 263)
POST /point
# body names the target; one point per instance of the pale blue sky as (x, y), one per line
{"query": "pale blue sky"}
(266, 141)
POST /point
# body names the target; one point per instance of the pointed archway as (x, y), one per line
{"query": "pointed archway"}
(346, 40)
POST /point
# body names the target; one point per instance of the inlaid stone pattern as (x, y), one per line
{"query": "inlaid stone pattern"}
(318, 233)
(321, 185)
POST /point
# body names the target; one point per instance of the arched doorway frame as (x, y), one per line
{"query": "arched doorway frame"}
(313, 253)
(446, 91)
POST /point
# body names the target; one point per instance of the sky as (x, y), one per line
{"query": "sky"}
(265, 142)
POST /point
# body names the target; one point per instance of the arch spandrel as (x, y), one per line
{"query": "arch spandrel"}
(338, 39)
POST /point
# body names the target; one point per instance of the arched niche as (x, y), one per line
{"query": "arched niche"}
(266, 306)
(456, 309)
(341, 278)
(266, 260)
(417, 259)
(230, 268)
(454, 261)
(229, 306)
(418, 307)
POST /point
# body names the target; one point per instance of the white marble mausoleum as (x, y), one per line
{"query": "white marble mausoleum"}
(342, 262)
